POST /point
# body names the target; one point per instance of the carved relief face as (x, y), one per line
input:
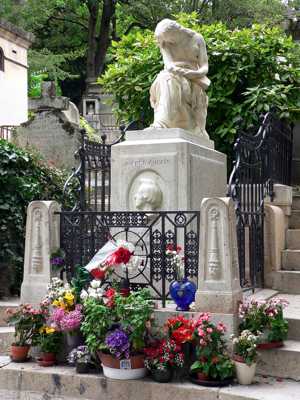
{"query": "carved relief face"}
(148, 196)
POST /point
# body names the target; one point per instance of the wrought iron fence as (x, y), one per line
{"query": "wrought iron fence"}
(83, 233)
(260, 161)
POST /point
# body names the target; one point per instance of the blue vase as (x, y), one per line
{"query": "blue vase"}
(183, 293)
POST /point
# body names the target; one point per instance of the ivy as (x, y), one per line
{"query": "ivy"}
(23, 178)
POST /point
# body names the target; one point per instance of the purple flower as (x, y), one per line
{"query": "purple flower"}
(118, 343)
(58, 261)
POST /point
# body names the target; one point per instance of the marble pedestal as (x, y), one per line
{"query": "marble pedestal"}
(165, 169)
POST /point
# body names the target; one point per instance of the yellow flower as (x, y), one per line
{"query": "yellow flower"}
(69, 297)
(41, 330)
(49, 330)
(56, 303)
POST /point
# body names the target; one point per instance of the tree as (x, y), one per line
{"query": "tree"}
(251, 69)
(73, 37)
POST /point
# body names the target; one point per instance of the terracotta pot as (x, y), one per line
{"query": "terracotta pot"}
(48, 357)
(245, 373)
(131, 368)
(19, 353)
(201, 376)
(269, 345)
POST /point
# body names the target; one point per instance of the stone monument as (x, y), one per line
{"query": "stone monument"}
(172, 165)
(42, 237)
(53, 129)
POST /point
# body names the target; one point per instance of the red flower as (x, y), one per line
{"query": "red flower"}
(120, 256)
(110, 295)
(182, 335)
(97, 273)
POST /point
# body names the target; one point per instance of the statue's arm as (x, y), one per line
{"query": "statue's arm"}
(202, 62)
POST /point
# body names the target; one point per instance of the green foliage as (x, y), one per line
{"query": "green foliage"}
(131, 312)
(25, 178)
(250, 69)
(80, 280)
(49, 340)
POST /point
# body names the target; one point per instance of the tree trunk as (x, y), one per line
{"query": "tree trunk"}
(92, 26)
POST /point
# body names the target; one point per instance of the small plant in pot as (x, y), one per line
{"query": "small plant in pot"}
(265, 319)
(213, 366)
(115, 328)
(245, 356)
(26, 321)
(49, 340)
(81, 358)
(162, 358)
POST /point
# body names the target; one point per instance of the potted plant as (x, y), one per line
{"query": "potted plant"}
(50, 341)
(265, 319)
(80, 356)
(245, 356)
(115, 328)
(26, 321)
(162, 358)
(182, 290)
(213, 366)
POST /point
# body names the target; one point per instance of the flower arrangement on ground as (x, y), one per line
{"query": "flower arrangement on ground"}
(115, 327)
(213, 362)
(182, 290)
(265, 318)
(162, 358)
(245, 356)
(50, 341)
(81, 357)
(27, 322)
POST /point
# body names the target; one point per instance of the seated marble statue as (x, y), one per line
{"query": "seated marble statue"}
(178, 93)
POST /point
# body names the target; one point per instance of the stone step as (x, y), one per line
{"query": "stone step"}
(286, 281)
(294, 220)
(293, 239)
(290, 260)
(283, 362)
(29, 381)
(6, 339)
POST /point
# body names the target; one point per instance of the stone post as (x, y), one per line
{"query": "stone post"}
(42, 237)
(219, 290)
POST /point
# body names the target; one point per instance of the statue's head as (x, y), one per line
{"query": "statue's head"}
(148, 196)
(170, 31)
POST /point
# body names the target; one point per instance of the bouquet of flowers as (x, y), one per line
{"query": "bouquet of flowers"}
(180, 329)
(80, 354)
(177, 260)
(66, 321)
(57, 259)
(213, 362)
(164, 354)
(245, 347)
(111, 255)
(264, 318)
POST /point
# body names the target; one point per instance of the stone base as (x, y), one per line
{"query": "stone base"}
(181, 167)
(218, 302)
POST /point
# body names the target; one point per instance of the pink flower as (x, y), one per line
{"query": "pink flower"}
(201, 332)
(221, 327)
(202, 342)
(209, 330)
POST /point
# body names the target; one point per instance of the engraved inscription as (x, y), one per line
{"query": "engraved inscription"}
(146, 163)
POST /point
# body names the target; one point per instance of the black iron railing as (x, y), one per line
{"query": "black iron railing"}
(260, 161)
(83, 233)
(93, 174)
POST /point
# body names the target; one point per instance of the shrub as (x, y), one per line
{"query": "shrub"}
(23, 178)
(250, 69)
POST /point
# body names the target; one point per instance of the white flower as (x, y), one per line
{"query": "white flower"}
(95, 284)
(100, 292)
(84, 294)
(277, 77)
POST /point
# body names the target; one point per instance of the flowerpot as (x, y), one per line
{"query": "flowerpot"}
(245, 373)
(82, 368)
(48, 357)
(183, 293)
(74, 339)
(162, 375)
(201, 376)
(210, 382)
(19, 353)
(131, 368)
(269, 345)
